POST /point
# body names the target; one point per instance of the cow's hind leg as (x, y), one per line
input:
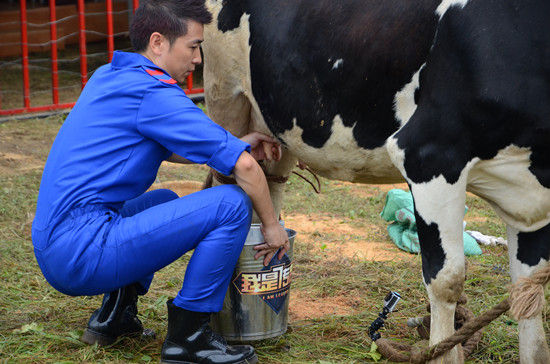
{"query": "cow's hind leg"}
(529, 252)
(439, 210)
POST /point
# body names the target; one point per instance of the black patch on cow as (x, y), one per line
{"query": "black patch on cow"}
(486, 86)
(534, 246)
(433, 256)
(296, 43)
(230, 15)
(540, 157)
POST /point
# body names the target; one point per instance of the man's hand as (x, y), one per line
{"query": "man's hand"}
(263, 146)
(275, 237)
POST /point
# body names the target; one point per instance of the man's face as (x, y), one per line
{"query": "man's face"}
(184, 55)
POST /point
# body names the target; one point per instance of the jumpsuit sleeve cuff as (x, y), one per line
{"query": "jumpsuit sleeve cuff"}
(228, 153)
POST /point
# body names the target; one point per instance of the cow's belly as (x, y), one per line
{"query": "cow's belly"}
(341, 158)
(507, 184)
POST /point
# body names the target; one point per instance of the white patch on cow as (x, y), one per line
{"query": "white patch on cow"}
(227, 76)
(438, 196)
(396, 154)
(532, 342)
(341, 157)
(403, 102)
(513, 191)
(446, 4)
(338, 63)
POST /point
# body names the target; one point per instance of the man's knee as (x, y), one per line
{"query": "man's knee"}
(237, 198)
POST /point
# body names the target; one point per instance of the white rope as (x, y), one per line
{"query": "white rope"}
(39, 25)
(59, 71)
(37, 92)
(17, 62)
(42, 44)
(105, 35)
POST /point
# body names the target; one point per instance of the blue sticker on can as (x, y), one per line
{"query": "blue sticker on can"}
(271, 284)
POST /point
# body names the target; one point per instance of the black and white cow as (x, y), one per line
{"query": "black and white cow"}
(454, 95)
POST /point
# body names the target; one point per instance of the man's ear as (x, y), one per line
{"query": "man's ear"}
(156, 43)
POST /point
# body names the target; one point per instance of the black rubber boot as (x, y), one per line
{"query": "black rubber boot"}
(191, 340)
(116, 317)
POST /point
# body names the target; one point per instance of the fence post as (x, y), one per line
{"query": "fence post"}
(25, 54)
(190, 81)
(82, 40)
(53, 48)
(110, 39)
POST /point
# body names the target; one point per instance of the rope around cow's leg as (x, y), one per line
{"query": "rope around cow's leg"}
(527, 295)
(469, 333)
(526, 299)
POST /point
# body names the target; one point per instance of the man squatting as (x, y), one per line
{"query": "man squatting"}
(97, 230)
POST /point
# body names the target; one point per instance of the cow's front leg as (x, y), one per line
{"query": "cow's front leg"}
(439, 210)
(529, 252)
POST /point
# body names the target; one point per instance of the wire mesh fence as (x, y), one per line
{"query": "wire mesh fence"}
(51, 50)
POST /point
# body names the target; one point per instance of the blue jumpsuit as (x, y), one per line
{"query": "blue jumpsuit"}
(96, 229)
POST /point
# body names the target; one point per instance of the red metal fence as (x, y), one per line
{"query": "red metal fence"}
(53, 45)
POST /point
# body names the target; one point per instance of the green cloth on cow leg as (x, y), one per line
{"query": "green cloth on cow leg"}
(399, 209)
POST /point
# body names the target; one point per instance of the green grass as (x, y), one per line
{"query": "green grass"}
(39, 324)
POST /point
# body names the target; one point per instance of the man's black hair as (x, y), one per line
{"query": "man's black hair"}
(168, 17)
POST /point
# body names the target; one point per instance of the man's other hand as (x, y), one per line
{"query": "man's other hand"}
(275, 237)
(263, 146)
